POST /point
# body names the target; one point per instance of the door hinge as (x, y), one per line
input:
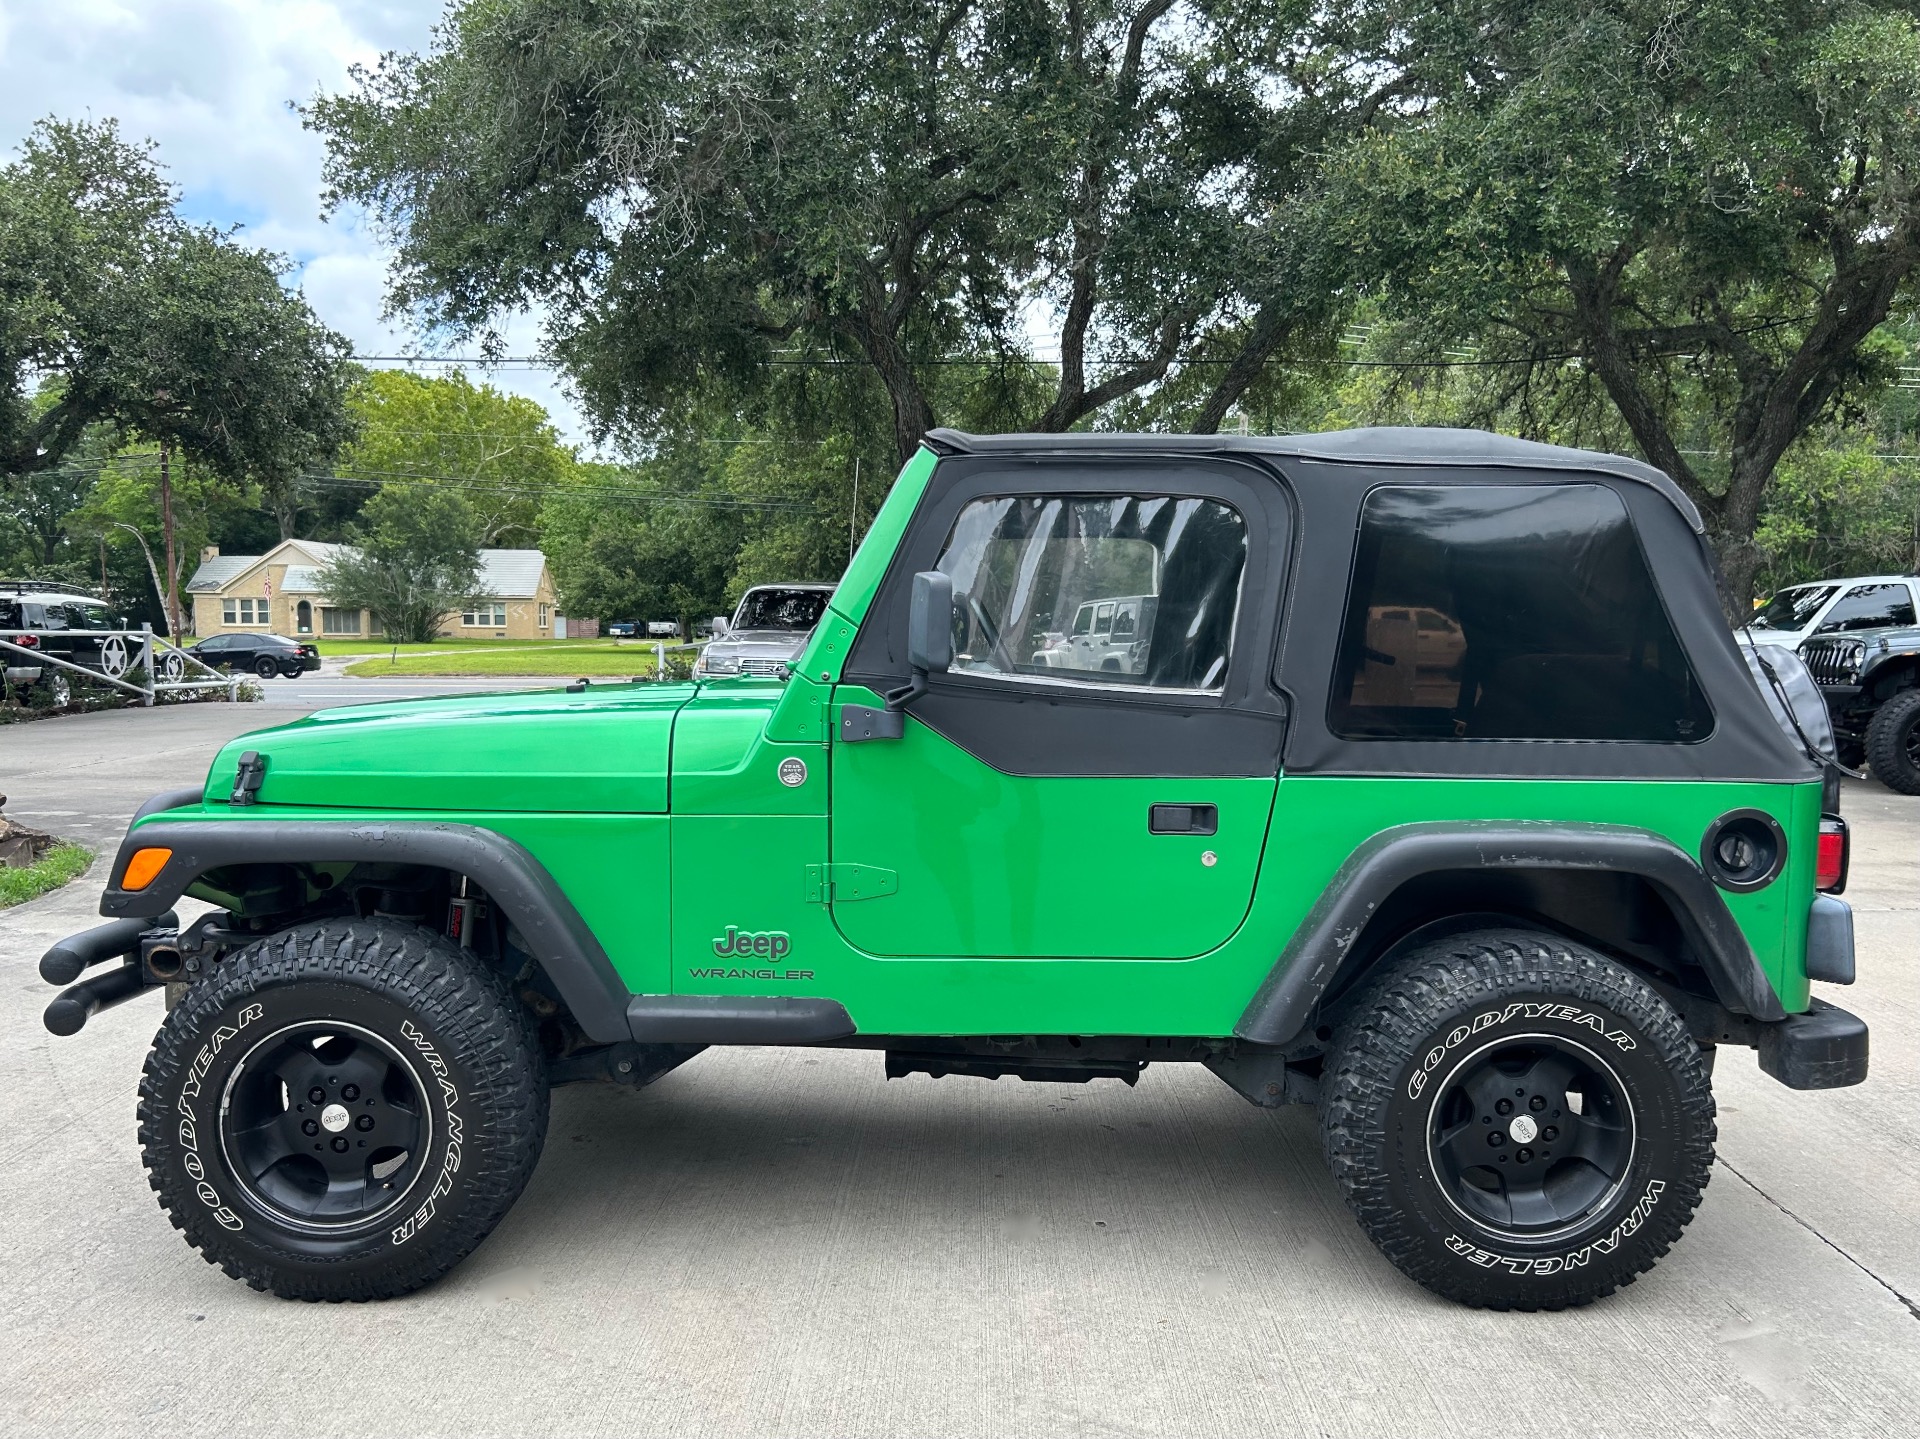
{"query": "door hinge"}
(840, 883)
(859, 723)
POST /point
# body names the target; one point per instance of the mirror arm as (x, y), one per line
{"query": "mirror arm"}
(898, 700)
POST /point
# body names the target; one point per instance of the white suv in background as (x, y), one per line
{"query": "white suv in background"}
(1828, 607)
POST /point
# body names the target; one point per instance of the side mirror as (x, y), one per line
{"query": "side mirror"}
(930, 623)
(720, 626)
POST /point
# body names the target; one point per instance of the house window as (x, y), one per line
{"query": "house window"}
(375, 626)
(339, 622)
(546, 615)
(484, 617)
(242, 612)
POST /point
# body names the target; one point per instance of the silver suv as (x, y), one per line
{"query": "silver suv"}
(769, 627)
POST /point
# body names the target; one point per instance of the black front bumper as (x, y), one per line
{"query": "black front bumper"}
(1825, 1048)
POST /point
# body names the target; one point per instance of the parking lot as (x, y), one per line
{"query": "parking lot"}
(782, 1242)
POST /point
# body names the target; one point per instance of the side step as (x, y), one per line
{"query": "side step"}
(901, 1063)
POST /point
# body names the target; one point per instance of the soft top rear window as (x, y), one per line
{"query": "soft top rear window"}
(1508, 612)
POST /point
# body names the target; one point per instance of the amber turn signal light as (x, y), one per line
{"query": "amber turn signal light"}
(141, 869)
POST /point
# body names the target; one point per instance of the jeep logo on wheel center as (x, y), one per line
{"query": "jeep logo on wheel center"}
(1381, 771)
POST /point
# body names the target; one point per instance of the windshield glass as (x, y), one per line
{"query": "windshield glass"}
(1791, 609)
(774, 609)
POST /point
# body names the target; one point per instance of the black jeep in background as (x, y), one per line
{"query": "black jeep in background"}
(60, 623)
(1870, 676)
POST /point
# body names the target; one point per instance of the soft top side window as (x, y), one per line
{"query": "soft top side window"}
(1508, 612)
(1039, 582)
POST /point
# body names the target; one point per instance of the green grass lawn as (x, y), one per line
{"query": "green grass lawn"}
(61, 864)
(564, 659)
(378, 646)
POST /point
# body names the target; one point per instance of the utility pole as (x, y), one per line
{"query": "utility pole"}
(166, 524)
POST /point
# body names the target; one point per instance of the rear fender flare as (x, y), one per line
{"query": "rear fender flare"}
(553, 929)
(1285, 1004)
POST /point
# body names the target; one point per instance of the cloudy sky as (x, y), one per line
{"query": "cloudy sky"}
(210, 82)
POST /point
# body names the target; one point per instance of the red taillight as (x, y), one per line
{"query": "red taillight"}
(1830, 868)
(27, 642)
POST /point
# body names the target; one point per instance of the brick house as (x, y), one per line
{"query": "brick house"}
(281, 592)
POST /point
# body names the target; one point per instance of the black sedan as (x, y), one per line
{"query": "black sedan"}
(265, 655)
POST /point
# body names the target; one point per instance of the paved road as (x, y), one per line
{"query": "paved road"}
(781, 1242)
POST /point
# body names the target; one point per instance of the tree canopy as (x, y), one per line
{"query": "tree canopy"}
(700, 192)
(115, 310)
(1697, 217)
(500, 451)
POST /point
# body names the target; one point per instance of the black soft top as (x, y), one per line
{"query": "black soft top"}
(1376, 445)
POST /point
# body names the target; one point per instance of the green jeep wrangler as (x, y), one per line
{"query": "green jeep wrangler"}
(1433, 792)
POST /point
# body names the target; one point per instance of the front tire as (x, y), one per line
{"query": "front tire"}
(1517, 1122)
(1893, 743)
(343, 1110)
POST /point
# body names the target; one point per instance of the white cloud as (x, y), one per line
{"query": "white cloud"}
(212, 83)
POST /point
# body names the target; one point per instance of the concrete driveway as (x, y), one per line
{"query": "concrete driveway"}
(782, 1242)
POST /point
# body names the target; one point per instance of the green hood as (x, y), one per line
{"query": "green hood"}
(601, 750)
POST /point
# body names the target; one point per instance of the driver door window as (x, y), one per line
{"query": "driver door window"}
(1138, 590)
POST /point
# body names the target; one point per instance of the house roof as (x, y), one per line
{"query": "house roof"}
(504, 574)
(511, 574)
(221, 570)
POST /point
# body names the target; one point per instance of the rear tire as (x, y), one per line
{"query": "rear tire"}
(343, 1110)
(266, 667)
(1517, 1122)
(1893, 743)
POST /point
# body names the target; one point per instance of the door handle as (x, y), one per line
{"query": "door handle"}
(1183, 819)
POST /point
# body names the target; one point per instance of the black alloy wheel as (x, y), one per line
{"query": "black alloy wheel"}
(325, 1126)
(1532, 1134)
(266, 667)
(1893, 743)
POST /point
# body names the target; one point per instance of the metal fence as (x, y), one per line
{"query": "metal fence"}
(137, 662)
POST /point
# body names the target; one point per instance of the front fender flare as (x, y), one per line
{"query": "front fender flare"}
(1285, 1003)
(558, 937)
